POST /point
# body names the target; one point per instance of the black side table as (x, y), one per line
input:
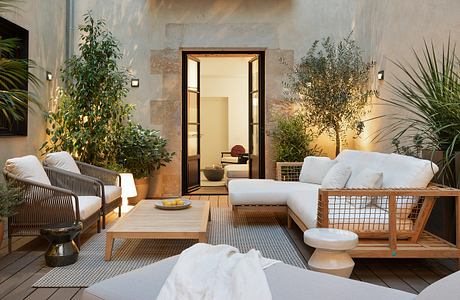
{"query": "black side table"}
(62, 250)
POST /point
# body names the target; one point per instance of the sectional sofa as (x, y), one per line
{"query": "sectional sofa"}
(376, 195)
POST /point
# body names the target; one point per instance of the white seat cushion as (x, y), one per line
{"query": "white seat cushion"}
(112, 192)
(314, 169)
(27, 167)
(305, 206)
(88, 205)
(62, 160)
(229, 159)
(237, 171)
(448, 288)
(264, 191)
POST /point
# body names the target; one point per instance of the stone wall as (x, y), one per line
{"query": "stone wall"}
(153, 33)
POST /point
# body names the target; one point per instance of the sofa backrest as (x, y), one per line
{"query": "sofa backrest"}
(360, 160)
(399, 171)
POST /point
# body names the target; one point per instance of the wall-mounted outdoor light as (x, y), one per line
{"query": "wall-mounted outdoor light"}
(49, 76)
(134, 82)
(381, 75)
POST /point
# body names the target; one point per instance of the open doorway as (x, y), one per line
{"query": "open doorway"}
(223, 113)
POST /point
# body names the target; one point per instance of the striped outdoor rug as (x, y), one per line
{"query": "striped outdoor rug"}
(255, 230)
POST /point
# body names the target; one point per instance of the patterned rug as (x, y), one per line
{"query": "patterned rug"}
(255, 230)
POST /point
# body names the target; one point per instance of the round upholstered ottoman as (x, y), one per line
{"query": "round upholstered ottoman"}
(330, 255)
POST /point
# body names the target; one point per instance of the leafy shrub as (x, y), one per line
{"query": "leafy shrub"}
(140, 150)
(10, 198)
(292, 140)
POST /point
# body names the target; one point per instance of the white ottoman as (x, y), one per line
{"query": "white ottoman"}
(330, 255)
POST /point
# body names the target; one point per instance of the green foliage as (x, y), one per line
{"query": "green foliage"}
(13, 73)
(90, 113)
(426, 99)
(292, 140)
(140, 150)
(10, 198)
(331, 85)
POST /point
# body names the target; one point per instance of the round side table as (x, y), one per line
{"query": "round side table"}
(330, 255)
(62, 250)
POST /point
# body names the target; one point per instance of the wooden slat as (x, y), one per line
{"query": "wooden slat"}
(78, 295)
(392, 223)
(41, 294)
(390, 278)
(214, 200)
(64, 293)
(18, 265)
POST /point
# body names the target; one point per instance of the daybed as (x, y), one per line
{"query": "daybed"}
(396, 206)
(285, 281)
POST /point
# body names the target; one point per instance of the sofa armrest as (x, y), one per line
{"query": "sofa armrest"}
(288, 171)
(380, 213)
(107, 176)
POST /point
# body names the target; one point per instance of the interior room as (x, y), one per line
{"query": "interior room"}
(223, 118)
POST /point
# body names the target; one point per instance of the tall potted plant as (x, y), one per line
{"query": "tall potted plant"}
(10, 198)
(331, 86)
(141, 151)
(90, 111)
(426, 101)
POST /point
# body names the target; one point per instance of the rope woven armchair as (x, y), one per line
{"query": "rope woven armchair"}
(46, 201)
(86, 179)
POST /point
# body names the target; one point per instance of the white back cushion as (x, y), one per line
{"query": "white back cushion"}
(360, 160)
(337, 176)
(401, 171)
(62, 160)
(314, 169)
(27, 167)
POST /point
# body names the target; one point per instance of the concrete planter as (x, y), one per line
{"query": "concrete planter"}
(155, 185)
(142, 187)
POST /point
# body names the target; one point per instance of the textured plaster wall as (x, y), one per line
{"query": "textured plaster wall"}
(153, 33)
(45, 21)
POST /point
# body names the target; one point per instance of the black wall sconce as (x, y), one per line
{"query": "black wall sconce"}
(49, 76)
(381, 75)
(134, 82)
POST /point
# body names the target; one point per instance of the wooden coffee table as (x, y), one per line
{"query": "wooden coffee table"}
(145, 221)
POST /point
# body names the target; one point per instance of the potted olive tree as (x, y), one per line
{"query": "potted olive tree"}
(141, 151)
(10, 198)
(330, 84)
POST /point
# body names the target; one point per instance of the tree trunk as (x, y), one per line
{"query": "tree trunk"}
(337, 139)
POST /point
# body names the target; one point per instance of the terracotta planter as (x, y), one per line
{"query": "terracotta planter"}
(142, 188)
(156, 185)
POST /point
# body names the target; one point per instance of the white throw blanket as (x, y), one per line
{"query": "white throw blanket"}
(207, 272)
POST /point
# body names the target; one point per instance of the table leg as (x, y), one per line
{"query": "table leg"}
(202, 238)
(108, 246)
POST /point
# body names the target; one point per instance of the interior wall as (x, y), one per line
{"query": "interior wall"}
(45, 21)
(228, 77)
(214, 130)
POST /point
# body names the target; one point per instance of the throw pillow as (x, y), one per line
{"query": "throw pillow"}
(314, 169)
(62, 160)
(337, 176)
(366, 179)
